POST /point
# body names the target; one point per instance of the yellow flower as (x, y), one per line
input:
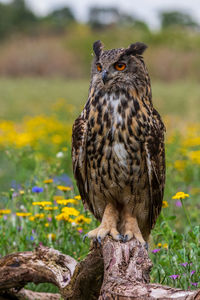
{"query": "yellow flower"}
(195, 156)
(180, 165)
(46, 224)
(81, 219)
(180, 195)
(5, 211)
(42, 203)
(78, 197)
(64, 188)
(50, 208)
(58, 197)
(65, 217)
(51, 236)
(66, 201)
(23, 214)
(21, 192)
(164, 204)
(32, 218)
(195, 191)
(159, 245)
(71, 211)
(48, 181)
(165, 246)
(39, 216)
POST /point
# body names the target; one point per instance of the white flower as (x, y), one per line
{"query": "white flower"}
(59, 154)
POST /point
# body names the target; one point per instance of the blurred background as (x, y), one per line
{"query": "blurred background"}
(45, 58)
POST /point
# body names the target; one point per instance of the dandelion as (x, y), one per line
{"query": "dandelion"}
(48, 181)
(64, 188)
(81, 219)
(180, 165)
(21, 192)
(180, 195)
(50, 208)
(71, 211)
(159, 245)
(42, 203)
(165, 204)
(58, 197)
(174, 277)
(37, 189)
(51, 236)
(23, 214)
(78, 197)
(5, 211)
(46, 224)
(32, 218)
(66, 201)
(155, 250)
(65, 217)
(165, 246)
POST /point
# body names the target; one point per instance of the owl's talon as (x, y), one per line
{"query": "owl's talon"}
(84, 237)
(146, 246)
(125, 238)
(99, 240)
(120, 237)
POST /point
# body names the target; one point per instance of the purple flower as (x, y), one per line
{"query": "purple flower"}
(175, 276)
(80, 230)
(192, 272)
(178, 203)
(155, 250)
(32, 238)
(5, 218)
(37, 189)
(194, 283)
(184, 264)
(49, 219)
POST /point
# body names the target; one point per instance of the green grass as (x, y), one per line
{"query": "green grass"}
(32, 96)
(30, 165)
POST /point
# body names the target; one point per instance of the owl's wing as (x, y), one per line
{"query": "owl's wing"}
(79, 158)
(155, 157)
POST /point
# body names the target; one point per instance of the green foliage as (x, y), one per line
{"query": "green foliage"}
(176, 18)
(14, 17)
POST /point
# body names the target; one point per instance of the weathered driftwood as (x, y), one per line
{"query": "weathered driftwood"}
(115, 270)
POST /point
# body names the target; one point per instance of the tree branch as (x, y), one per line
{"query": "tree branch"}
(116, 270)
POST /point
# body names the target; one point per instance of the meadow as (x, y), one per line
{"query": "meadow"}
(39, 201)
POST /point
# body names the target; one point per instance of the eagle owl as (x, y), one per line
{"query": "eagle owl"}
(118, 146)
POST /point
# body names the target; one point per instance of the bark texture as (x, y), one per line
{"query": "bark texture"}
(114, 270)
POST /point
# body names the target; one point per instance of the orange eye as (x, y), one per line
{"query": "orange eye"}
(120, 66)
(99, 67)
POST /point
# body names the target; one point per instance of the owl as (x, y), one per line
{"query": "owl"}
(118, 146)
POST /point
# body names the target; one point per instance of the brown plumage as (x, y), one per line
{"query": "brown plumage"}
(118, 146)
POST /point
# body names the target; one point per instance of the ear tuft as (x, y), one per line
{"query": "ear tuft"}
(97, 47)
(137, 48)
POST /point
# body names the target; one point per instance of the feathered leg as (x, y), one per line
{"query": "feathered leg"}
(108, 225)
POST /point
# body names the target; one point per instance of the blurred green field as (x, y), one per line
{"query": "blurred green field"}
(33, 96)
(35, 134)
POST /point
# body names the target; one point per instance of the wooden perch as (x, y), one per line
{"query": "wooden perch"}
(116, 270)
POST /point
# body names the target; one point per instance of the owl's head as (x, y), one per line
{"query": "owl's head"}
(118, 66)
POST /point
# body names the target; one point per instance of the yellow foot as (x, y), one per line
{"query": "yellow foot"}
(102, 231)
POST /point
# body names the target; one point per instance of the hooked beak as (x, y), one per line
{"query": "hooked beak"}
(104, 76)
